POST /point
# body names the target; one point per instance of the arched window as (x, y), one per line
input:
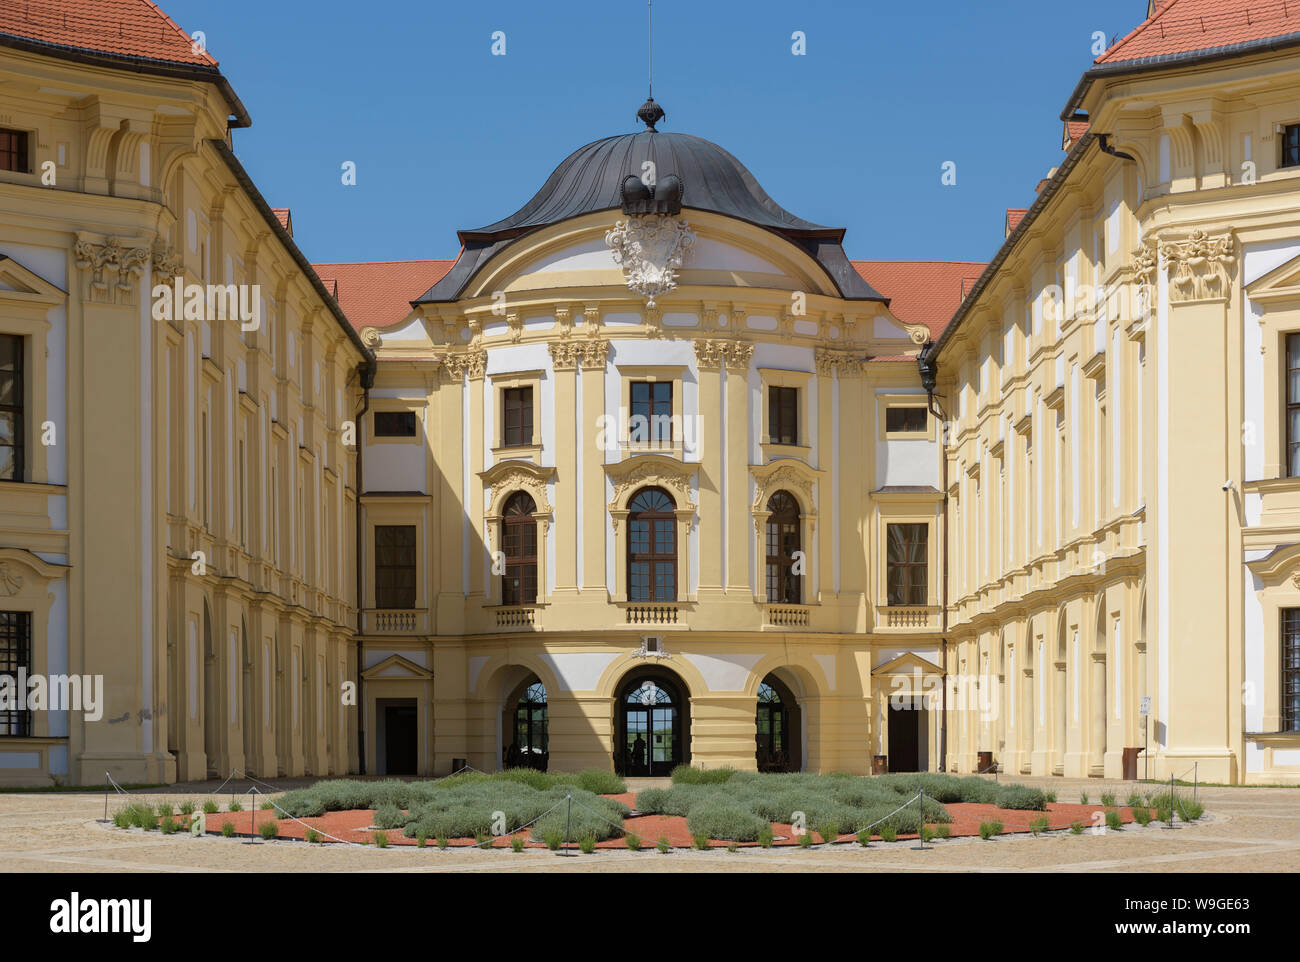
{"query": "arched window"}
(784, 583)
(519, 545)
(652, 547)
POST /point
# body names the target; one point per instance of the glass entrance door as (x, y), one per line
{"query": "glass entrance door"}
(651, 731)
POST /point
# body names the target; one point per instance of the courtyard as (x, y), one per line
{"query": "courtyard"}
(1243, 830)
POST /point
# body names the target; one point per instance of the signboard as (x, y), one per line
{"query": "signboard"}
(1145, 707)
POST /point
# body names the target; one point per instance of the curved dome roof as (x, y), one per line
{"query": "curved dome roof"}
(591, 179)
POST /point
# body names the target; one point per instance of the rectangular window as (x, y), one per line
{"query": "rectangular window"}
(1293, 405)
(15, 654)
(652, 412)
(395, 424)
(11, 407)
(13, 151)
(905, 420)
(1291, 146)
(517, 417)
(906, 570)
(783, 415)
(1290, 669)
(395, 566)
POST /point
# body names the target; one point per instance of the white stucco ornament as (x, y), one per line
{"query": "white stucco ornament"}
(650, 248)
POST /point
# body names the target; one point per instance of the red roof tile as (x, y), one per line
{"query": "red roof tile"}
(1186, 26)
(922, 292)
(130, 28)
(1014, 216)
(379, 294)
(1074, 129)
(283, 215)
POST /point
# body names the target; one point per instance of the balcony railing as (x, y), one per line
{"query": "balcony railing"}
(638, 614)
(516, 617)
(913, 617)
(787, 616)
(395, 621)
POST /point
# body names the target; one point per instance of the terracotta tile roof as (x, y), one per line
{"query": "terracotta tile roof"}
(922, 292)
(1074, 129)
(1014, 216)
(128, 28)
(379, 294)
(283, 215)
(1187, 26)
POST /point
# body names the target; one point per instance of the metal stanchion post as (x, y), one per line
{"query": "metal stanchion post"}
(1171, 801)
(921, 822)
(252, 818)
(568, 823)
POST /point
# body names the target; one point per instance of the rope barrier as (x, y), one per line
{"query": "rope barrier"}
(889, 816)
(488, 842)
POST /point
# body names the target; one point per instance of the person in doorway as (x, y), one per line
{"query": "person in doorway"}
(638, 751)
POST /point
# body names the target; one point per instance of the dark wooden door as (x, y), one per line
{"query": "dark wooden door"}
(904, 740)
(401, 739)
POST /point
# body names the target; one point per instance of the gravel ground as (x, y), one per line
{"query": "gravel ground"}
(1245, 830)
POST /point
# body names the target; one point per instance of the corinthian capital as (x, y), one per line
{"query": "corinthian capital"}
(1201, 267)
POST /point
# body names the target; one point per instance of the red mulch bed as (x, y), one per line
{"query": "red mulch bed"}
(351, 826)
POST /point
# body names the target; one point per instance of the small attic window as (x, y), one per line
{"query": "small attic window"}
(13, 151)
(395, 424)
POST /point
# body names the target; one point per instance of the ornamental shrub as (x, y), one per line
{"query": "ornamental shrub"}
(1021, 797)
(725, 822)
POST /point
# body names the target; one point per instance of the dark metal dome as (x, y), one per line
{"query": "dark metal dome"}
(710, 179)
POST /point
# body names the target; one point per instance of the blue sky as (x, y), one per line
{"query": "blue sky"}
(853, 134)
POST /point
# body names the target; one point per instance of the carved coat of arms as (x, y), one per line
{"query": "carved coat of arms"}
(650, 248)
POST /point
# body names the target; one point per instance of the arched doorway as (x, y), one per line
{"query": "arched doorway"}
(653, 718)
(211, 702)
(1097, 757)
(776, 724)
(530, 745)
(249, 717)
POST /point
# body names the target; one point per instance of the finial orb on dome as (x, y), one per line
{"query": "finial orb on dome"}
(650, 113)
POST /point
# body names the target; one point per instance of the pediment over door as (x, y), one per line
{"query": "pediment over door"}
(396, 668)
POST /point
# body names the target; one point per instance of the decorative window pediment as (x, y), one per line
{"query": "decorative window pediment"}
(651, 470)
(24, 574)
(788, 474)
(506, 477)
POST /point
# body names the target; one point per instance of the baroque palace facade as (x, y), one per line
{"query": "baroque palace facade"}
(651, 473)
